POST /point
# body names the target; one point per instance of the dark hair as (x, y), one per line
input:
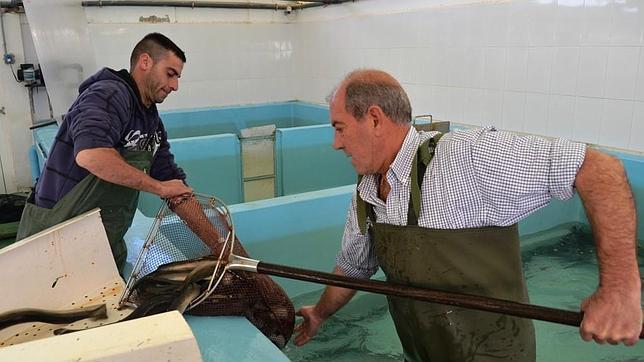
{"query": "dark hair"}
(156, 45)
(367, 87)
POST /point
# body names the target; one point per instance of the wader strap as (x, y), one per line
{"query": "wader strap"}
(418, 167)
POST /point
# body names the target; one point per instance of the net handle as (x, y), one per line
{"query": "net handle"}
(494, 305)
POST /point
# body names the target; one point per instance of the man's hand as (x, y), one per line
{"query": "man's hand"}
(612, 316)
(172, 188)
(308, 328)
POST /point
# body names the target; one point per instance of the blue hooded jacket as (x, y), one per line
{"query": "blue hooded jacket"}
(107, 113)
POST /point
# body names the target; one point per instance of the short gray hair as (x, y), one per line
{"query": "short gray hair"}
(367, 87)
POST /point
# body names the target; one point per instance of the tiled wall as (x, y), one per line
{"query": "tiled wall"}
(233, 56)
(569, 68)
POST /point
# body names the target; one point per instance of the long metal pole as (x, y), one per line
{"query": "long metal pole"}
(469, 301)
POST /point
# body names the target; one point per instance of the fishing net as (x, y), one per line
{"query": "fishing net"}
(182, 266)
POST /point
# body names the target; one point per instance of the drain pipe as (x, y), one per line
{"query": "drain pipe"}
(211, 4)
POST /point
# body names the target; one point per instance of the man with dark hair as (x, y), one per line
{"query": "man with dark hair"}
(441, 211)
(111, 145)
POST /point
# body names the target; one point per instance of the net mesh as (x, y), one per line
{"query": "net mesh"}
(181, 266)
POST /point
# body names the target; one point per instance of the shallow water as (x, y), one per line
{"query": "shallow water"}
(560, 273)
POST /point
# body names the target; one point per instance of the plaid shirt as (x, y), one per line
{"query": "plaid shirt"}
(478, 177)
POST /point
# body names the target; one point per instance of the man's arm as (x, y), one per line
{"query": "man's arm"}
(190, 211)
(107, 164)
(613, 313)
(314, 316)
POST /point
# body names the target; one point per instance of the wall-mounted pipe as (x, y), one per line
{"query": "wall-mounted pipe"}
(213, 4)
(13, 4)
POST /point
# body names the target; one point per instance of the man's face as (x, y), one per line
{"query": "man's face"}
(163, 77)
(353, 136)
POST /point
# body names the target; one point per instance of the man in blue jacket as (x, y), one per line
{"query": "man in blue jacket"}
(111, 145)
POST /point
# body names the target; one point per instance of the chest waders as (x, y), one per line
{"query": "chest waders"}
(482, 261)
(117, 204)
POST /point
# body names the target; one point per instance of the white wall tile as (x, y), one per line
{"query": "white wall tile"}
(627, 23)
(621, 71)
(440, 102)
(588, 115)
(592, 71)
(420, 96)
(563, 78)
(639, 88)
(536, 114)
(596, 22)
(519, 23)
(539, 68)
(561, 114)
(492, 110)
(473, 106)
(516, 69)
(456, 73)
(636, 141)
(460, 25)
(513, 111)
(495, 17)
(473, 67)
(617, 120)
(568, 22)
(542, 23)
(494, 68)
(438, 66)
(456, 98)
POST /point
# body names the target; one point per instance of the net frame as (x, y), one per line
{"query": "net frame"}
(159, 248)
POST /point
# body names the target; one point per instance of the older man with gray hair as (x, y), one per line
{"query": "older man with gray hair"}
(441, 211)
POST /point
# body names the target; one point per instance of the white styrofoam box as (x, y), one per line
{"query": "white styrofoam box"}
(588, 118)
(563, 77)
(67, 266)
(513, 111)
(164, 336)
(617, 120)
(636, 141)
(592, 71)
(621, 72)
(539, 68)
(561, 113)
(536, 114)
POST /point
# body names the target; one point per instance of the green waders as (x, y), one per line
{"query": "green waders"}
(117, 204)
(481, 261)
